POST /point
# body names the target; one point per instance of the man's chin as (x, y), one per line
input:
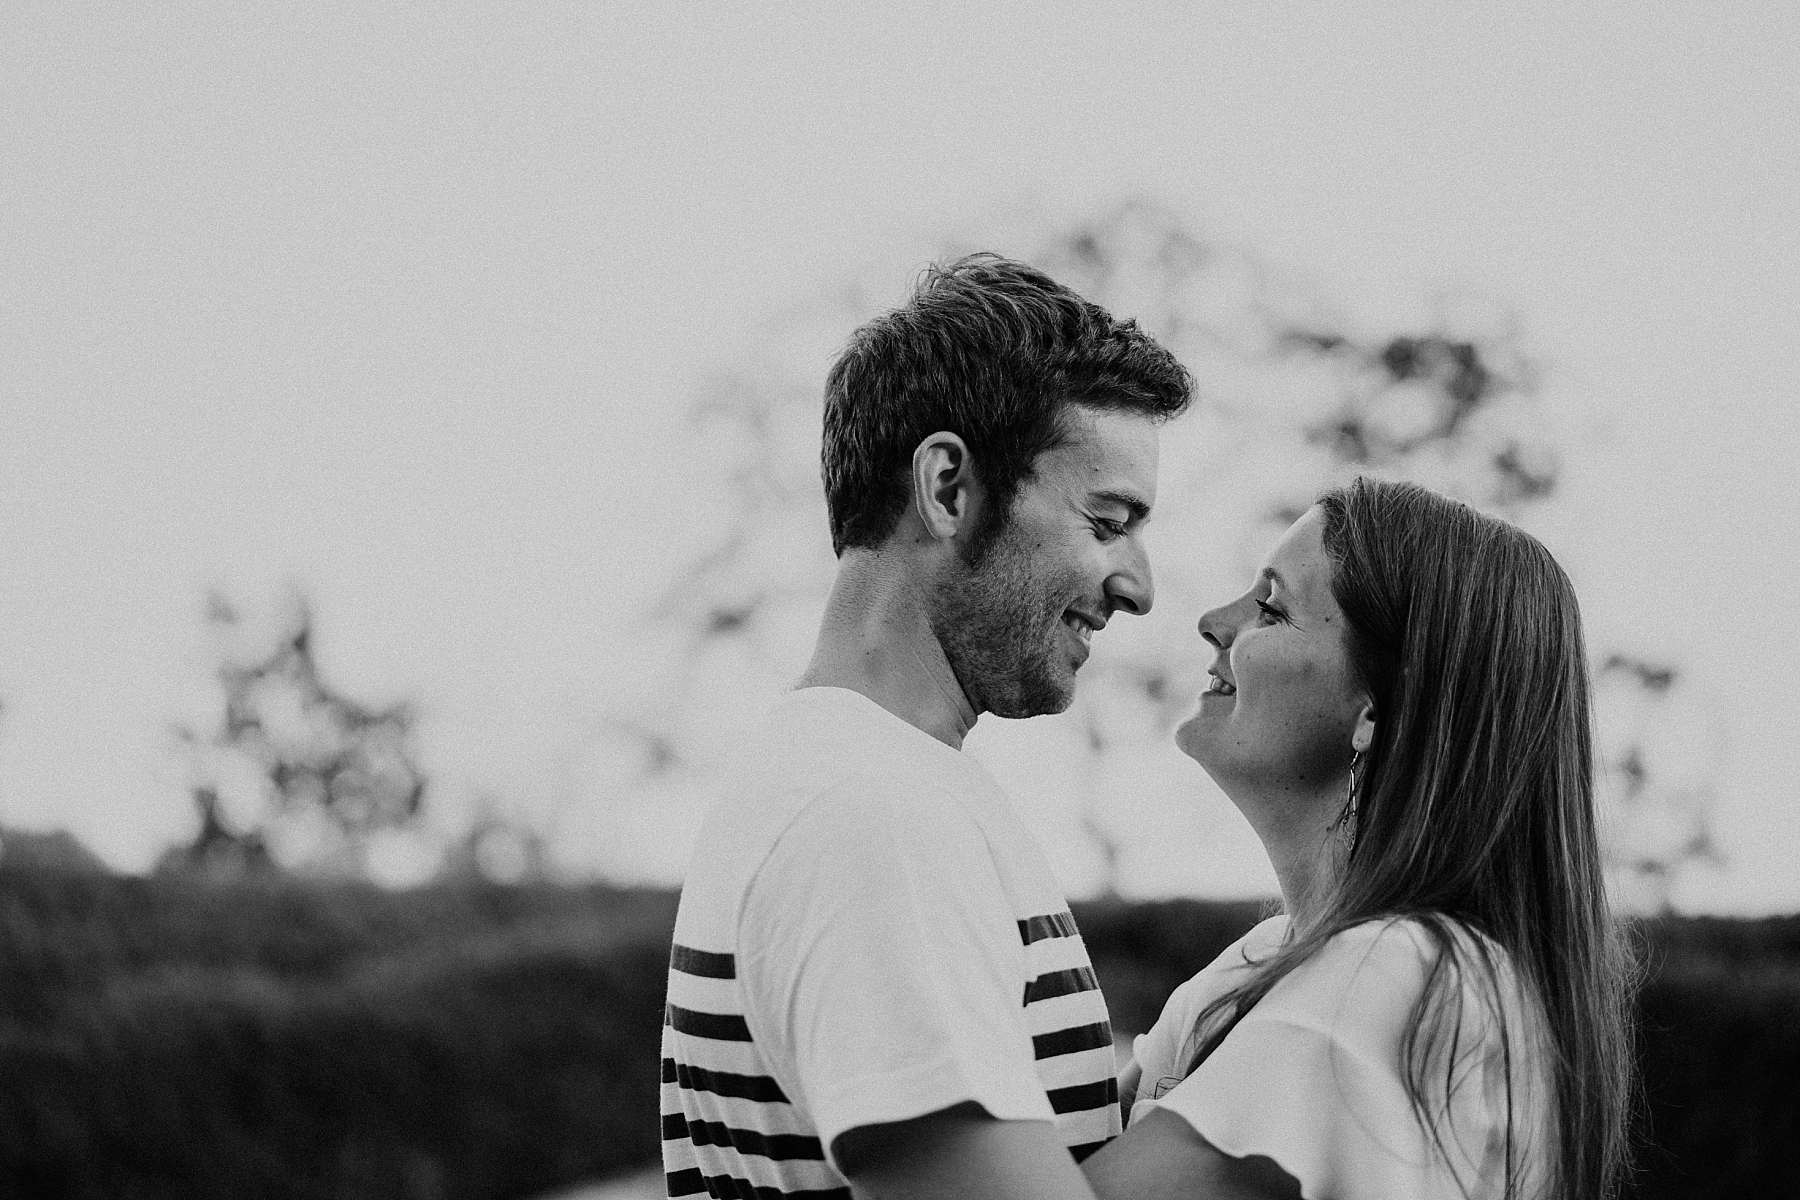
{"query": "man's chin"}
(1043, 700)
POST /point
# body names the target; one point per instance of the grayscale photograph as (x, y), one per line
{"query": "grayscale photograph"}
(1034, 602)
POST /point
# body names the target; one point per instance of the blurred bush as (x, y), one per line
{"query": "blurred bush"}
(277, 1037)
(173, 1037)
(1719, 1044)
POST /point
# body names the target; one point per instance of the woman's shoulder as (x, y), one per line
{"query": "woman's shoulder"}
(1371, 976)
(1408, 944)
(1391, 952)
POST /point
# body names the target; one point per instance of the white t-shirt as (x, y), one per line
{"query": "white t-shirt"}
(867, 933)
(1312, 1076)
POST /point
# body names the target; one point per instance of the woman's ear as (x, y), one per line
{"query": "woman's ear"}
(1363, 736)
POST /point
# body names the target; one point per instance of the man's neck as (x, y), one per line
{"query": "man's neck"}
(876, 639)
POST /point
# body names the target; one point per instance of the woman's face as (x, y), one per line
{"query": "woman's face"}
(1283, 714)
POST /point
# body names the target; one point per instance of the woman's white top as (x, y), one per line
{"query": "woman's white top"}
(1312, 1076)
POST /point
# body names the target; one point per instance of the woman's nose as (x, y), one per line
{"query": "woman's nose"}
(1216, 627)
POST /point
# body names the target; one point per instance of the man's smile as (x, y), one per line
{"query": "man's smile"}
(1083, 625)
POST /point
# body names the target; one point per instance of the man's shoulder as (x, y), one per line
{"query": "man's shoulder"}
(819, 744)
(833, 784)
(846, 728)
(812, 766)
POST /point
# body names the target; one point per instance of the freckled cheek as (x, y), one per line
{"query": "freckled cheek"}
(1274, 682)
(1286, 698)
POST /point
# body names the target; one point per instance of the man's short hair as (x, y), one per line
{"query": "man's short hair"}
(991, 350)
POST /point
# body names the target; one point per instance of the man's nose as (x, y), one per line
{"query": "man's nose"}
(1131, 587)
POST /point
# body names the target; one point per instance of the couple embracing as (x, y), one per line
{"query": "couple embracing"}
(877, 989)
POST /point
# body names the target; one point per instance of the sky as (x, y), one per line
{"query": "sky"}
(405, 305)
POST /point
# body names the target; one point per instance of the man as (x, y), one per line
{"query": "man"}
(876, 984)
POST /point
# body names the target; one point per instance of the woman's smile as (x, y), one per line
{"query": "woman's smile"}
(1283, 638)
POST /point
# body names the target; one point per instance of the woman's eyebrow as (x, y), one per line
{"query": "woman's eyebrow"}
(1271, 573)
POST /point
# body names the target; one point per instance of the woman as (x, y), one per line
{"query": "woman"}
(1399, 707)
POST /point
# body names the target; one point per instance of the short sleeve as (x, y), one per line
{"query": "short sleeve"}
(883, 964)
(1312, 1078)
(1158, 1052)
(1162, 1053)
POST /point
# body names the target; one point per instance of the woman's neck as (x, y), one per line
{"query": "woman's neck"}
(1307, 852)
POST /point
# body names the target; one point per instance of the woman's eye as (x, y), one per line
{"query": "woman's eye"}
(1270, 611)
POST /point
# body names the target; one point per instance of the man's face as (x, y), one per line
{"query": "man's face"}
(1015, 626)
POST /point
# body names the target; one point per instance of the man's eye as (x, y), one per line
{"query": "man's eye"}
(1111, 529)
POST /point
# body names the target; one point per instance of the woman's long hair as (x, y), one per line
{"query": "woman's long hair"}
(1475, 809)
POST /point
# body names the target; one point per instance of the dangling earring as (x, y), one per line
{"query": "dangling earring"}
(1346, 821)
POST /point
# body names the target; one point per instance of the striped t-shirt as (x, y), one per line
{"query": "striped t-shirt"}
(868, 933)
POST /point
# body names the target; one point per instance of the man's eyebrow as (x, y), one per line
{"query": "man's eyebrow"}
(1137, 508)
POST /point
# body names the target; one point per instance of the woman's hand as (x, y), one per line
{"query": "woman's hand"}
(1128, 1085)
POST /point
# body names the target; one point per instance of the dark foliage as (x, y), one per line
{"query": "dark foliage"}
(1673, 940)
(479, 1078)
(165, 1037)
(65, 936)
(1720, 1050)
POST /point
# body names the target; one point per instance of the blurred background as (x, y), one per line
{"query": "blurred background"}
(408, 482)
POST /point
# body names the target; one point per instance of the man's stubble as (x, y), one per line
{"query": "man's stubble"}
(998, 624)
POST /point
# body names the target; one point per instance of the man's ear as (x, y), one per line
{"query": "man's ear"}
(946, 493)
(1363, 736)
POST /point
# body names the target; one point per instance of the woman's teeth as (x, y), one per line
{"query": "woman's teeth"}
(1220, 687)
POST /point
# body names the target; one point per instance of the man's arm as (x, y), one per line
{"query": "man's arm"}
(959, 1152)
(1162, 1157)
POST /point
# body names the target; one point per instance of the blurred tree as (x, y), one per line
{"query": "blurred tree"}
(296, 772)
(498, 847)
(1659, 780)
(59, 850)
(1292, 399)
